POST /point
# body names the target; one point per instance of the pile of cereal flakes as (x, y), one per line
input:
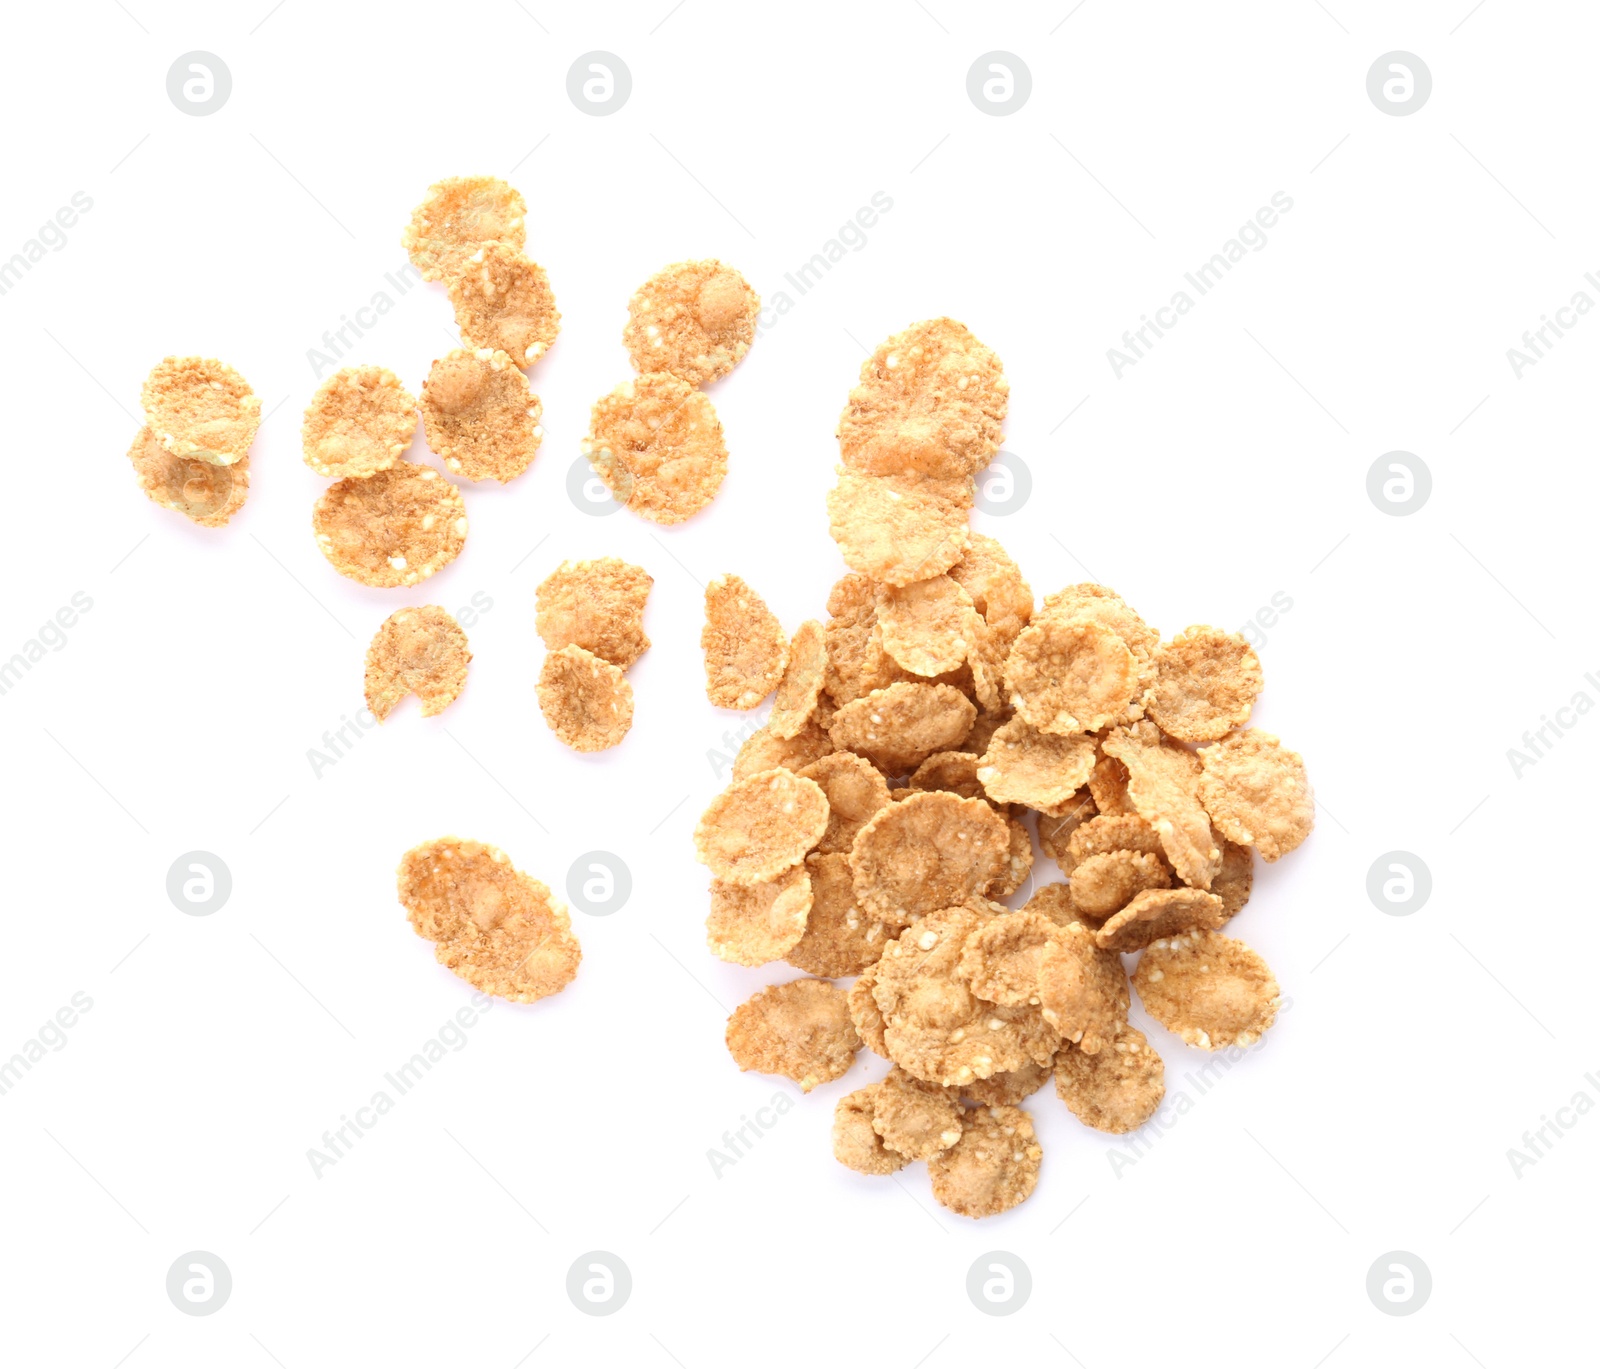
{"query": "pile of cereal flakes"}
(876, 822)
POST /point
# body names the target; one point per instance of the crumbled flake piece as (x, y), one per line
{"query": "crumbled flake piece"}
(494, 926)
(1041, 770)
(1019, 861)
(1257, 792)
(914, 1117)
(1206, 682)
(857, 662)
(856, 1145)
(480, 416)
(953, 772)
(764, 750)
(1116, 1090)
(456, 217)
(391, 529)
(1070, 675)
(1108, 782)
(1083, 991)
(855, 789)
(898, 529)
(754, 924)
(1000, 958)
(800, 1029)
(202, 492)
(1233, 881)
(359, 422)
(1158, 913)
(1058, 825)
(932, 851)
(201, 409)
(598, 605)
(1163, 785)
(900, 727)
(1208, 989)
(1107, 883)
(930, 402)
(864, 1011)
(694, 319)
(503, 303)
(586, 702)
(420, 651)
(839, 938)
(924, 626)
(992, 1168)
(758, 827)
(656, 444)
(745, 646)
(801, 685)
(1054, 901)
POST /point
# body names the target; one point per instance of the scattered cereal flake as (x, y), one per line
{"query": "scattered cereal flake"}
(1083, 990)
(480, 415)
(503, 303)
(1158, 913)
(992, 1168)
(394, 528)
(1106, 607)
(857, 662)
(1010, 1087)
(420, 651)
(497, 928)
(202, 492)
(839, 938)
(1206, 682)
(925, 626)
(856, 1145)
(1163, 785)
(1257, 792)
(358, 423)
(755, 924)
(899, 727)
(1019, 861)
(864, 1010)
(1109, 832)
(801, 685)
(914, 1117)
(1108, 782)
(1207, 988)
(1117, 1089)
(932, 851)
(1107, 883)
(1000, 959)
(1233, 881)
(201, 409)
(1056, 827)
(935, 1027)
(898, 529)
(457, 217)
(746, 649)
(986, 663)
(1042, 770)
(764, 750)
(598, 605)
(586, 701)
(758, 827)
(801, 1029)
(930, 402)
(1070, 675)
(953, 772)
(998, 591)
(694, 319)
(855, 789)
(657, 445)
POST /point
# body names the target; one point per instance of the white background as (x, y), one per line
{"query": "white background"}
(1225, 467)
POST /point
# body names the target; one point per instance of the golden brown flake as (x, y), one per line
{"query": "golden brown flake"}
(203, 493)
(855, 789)
(930, 402)
(503, 303)
(745, 646)
(857, 662)
(480, 415)
(839, 938)
(1233, 881)
(1007, 1089)
(864, 1010)
(754, 924)
(1163, 786)
(657, 445)
(932, 851)
(953, 772)
(1106, 833)
(586, 702)
(1257, 792)
(915, 1118)
(992, 1168)
(694, 319)
(1108, 782)
(801, 685)
(1000, 959)
(998, 591)
(1106, 607)
(1116, 1090)
(1206, 682)
(925, 626)
(420, 651)
(801, 1029)
(456, 217)
(1057, 826)
(900, 727)
(1083, 991)
(856, 1145)
(359, 422)
(598, 605)
(898, 529)
(1041, 770)
(1158, 913)
(764, 750)
(391, 529)
(1070, 675)
(1105, 884)
(1207, 988)
(201, 409)
(494, 926)
(758, 827)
